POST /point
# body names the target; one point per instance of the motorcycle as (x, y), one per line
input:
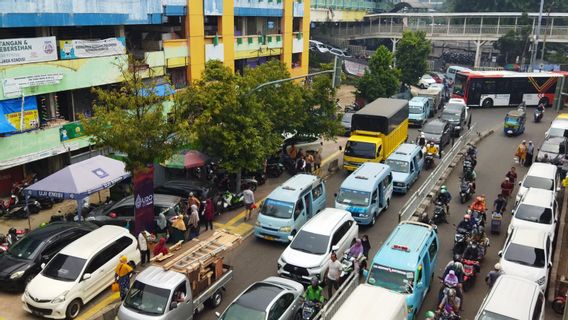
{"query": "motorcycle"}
(538, 114)
(22, 211)
(559, 304)
(228, 201)
(309, 310)
(466, 191)
(350, 263)
(460, 241)
(428, 161)
(439, 215)
(470, 269)
(6, 206)
(478, 217)
(274, 170)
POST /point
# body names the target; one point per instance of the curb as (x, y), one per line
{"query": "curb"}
(425, 204)
(555, 282)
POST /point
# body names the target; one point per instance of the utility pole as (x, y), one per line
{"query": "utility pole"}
(537, 34)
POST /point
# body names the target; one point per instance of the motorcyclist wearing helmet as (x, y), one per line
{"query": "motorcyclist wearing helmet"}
(314, 292)
(466, 223)
(421, 141)
(450, 304)
(445, 197)
(431, 148)
(430, 315)
(478, 236)
(473, 252)
(479, 204)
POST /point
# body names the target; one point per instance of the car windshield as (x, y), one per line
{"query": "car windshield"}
(347, 117)
(488, 315)
(511, 120)
(415, 108)
(550, 147)
(360, 149)
(432, 128)
(451, 115)
(277, 209)
(146, 299)
(240, 312)
(353, 197)
(393, 279)
(556, 132)
(63, 267)
(534, 214)
(459, 84)
(310, 242)
(25, 248)
(398, 165)
(527, 256)
(538, 182)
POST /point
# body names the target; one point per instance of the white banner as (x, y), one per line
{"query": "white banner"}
(13, 86)
(27, 50)
(73, 49)
(354, 68)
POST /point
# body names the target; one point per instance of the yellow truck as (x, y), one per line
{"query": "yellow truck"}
(377, 129)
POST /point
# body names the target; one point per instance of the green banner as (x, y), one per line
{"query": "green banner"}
(71, 131)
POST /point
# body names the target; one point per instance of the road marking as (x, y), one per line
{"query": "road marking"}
(99, 306)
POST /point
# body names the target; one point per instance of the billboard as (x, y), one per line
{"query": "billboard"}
(74, 49)
(27, 50)
(12, 108)
(144, 200)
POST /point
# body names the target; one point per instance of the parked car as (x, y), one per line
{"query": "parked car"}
(308, 254)
(438, 131)
(346, 122)
(308, 143)
(538, 210)
(540, 176)
(527, 253)
(425, 81)
(79, 272)
(22, 262)
(318, 46)
(182, 188)
(122, 213)
(436, 76)
(272, 298)
(554, 148)
(339, 53)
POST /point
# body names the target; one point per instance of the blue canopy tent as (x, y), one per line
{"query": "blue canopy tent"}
(79, 180)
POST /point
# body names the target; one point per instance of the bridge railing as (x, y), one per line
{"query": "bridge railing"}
(344, 4)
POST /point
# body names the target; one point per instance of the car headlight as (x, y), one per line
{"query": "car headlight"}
(541, 281)
(60, 298)
(17, 274)
(257, 223)
(285, 229)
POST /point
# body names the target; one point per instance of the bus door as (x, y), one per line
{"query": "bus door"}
(475, 91)
(518, 88)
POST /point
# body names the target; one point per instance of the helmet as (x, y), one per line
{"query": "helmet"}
(314, 281)
(467, 217)
(497, 266)
(479, 198)
(43, 224)
(443, 188)
(452, 292)
(457, 257)
(12, 231)
(429, 314)
(422, 135)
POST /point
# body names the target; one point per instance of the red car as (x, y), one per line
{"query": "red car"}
(436, 77)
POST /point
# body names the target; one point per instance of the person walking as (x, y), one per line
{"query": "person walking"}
(507, 188)
(499, 204)
(493, 275)
(333, 274)
(193, 222)
(248, 197)
(300, 164)
(317, 161)
(293, 152)
(192, 200)
(521, 153)
(122, 276)
(366, 245)
(143, 247)
(309, 163)
(209, 214)
(530, 154)
(512, 175)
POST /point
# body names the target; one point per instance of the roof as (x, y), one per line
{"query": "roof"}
(161, 199)
(326, 220)
(259, 295)
(409, 234)
(462, 14)
(293, 187)
(368, 172)
(559, 123)
(540, 169)
(516, 113)
(435, 123)
(94, 241)
(511, 74)
(538, 197)
(158, 277)
(529, 237)
(510, 288)
(366, 302)
(403, 151)
(419, 99)
(56, 228)
(554, 140)
(383, 107)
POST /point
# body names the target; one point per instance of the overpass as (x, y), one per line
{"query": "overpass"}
(355, 10)
(481, 28)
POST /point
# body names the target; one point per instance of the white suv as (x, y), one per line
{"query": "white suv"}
(527, 253)
(79, 272)
(309, 252)
(537, 210)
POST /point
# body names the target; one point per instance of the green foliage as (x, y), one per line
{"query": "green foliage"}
(411, 54)
(382, 79)
(506, 5)
(515, 44)
(131, 119)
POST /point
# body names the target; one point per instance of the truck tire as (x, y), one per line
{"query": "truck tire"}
(216, 299)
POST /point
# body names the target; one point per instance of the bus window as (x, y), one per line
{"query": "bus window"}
(459, 84)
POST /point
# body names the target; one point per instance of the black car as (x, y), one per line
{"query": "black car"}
(456, 114)
(554, 148)
(182, 188)
(438, 131)
(22, 262)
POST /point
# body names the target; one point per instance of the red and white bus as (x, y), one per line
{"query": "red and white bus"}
(505, 88)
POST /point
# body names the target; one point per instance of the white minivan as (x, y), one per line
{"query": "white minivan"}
(368, 302)
(309, 253)
(540, 176)
(513, 297)
(79, 272)
(538, 210)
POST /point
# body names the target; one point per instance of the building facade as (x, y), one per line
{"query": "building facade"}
(52, 52)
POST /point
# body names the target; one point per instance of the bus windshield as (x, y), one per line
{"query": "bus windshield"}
(393, 279)
(459, 84)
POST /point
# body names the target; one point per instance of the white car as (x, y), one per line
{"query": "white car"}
(541, 176)
(425, 81)
(527, 253)
(537, 210)
(309, 253)
(339, 53)
(319, 46)
(79, 272)
(308, 143)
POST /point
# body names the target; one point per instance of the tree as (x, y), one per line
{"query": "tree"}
(514, 45)
(505, 5)
(381, 80)
(411, 55)
(130, 119)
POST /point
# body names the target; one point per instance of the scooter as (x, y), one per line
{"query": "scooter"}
(350, 263)
(559, 304)
(439, 215)
(228, 200)
(470, 269)
(538, 114)
(21, 211)
(4, 245)
(274, 170)
(466, 191)
(460, 241)
(428, 161)
(309, 310)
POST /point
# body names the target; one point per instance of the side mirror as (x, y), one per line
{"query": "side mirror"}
(173, 305)
(290, 238)
(558, 189)
(550, 264)
(86, 276)
(217, 314)
(340, 148)
(335, 248)
(500, 253)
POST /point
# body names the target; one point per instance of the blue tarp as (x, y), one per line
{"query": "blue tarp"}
(5, 125)
(81, 179)
(161, 90)
(15, 105)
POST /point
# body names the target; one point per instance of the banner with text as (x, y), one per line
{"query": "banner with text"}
(27, 50)
(13, 86)
(144, 200)
(74, 49)
(13, 108)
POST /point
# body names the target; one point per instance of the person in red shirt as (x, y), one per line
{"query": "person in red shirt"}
(209, 214)
(512, 175)
(507, 188)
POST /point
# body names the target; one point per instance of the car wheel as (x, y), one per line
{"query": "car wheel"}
(215, 299)
(73, 309)
(373, 220)
(487, 103)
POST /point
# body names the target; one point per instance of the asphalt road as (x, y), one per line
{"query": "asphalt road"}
(256, 259)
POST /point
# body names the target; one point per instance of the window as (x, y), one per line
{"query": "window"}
(299, 208)
(341, 232)
(538, 307)
(55, 247)
(98, 261)
(375, 196)
(280, 306)
(123, 211)
(433, 249)
(317, 192)
(489, 86)
(387, 181)
(419, 277)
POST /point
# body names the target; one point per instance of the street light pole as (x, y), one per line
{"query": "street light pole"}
(537, 34)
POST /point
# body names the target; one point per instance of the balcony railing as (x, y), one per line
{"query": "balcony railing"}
(345, 4)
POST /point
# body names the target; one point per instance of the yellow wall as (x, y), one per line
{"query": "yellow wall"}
(228, 33)
(196, 38)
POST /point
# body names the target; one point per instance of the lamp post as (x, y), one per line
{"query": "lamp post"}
(537, 34)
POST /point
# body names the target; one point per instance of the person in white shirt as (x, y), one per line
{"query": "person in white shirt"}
(248, 196)
(143, 247)
(333, 274)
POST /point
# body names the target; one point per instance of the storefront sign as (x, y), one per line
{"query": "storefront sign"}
(73, 49)
(71, 131)
(144, 199)
(27, 50)
(13, 86)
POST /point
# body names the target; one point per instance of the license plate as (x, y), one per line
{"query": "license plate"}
(268, 238)
(37, 313)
